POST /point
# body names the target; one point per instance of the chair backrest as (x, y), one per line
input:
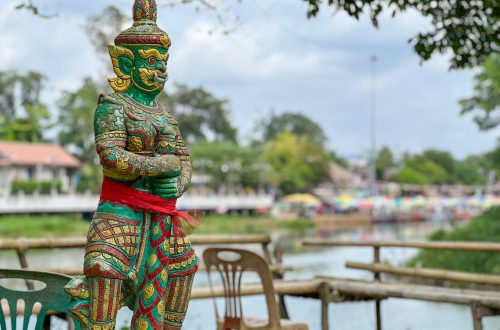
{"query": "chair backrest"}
(49, 298)
(231, 264)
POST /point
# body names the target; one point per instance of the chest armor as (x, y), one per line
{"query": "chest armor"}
(150, 128)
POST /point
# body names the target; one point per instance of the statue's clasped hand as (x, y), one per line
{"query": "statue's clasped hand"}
(166, 187)
(167, 183)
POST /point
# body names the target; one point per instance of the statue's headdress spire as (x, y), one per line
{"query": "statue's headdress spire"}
(145, 10)
(144, 31)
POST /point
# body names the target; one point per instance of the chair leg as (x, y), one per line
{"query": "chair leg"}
(46, 322)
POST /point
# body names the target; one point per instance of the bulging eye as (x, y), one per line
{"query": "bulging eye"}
(152, 60)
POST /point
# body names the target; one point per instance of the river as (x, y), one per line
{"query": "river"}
(397, 314)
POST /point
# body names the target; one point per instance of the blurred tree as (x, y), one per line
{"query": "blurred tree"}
(76, 120)
(23, 117)
(433, 173)
(76, 131)
(410, 175)
(103, 28)
(466, 30)
(485, 102)
(228, 164)
(469, 172)
(441, 158)
(201, 115)
(295, 123)
(383, 162)
(335, 157)
(297, 162)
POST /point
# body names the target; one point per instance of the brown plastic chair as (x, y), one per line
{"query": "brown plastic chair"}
(231, 264)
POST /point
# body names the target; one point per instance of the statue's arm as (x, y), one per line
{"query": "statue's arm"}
(182, 152)
(111, 140)
(186, 168)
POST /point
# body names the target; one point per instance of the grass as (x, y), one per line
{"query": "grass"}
(42, 226)
(72, 225)
(485, 227)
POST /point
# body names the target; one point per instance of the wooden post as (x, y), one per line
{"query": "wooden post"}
(324, 295)
(21, 255)
(478, 312)
(476, 316)
(376, 259)
(378, 314)
(376, 275)
(278, 257)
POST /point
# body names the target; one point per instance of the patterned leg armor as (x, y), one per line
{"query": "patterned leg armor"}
(181, 270)
(150, 303)
(177, 301)
(104, 304)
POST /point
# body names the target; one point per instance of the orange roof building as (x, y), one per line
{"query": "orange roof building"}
(36, 161)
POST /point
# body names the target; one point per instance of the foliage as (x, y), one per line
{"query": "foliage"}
(201, 115)
(227, 163)
(383, 162)
(439, 167)
(467, 30)
(297, 162)
(44, 187)
(485, 228)
(433, 172)
(23, 117)
(485, 103)
(470, 172)
(442, 158)
(410, 175)
(76, 115)
(295, 123)
(28, 5)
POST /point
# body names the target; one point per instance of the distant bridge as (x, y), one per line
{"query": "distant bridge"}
(87, 203)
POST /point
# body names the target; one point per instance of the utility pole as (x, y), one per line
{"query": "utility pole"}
(372, 178)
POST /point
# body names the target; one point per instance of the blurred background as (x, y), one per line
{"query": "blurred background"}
(353, 120)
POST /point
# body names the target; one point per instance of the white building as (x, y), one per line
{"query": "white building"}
(36, 161)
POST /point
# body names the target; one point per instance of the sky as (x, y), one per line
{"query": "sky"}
(274, 59)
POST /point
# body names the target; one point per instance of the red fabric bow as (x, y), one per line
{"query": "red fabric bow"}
(119, 193)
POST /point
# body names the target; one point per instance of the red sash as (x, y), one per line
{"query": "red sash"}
(119, 193)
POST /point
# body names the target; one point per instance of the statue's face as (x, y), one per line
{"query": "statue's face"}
(149, 69)
(145, 67)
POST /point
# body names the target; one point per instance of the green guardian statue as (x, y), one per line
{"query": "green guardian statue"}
(137, 254)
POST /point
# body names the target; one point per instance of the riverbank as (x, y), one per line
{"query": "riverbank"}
(485, 227)
(72, 225)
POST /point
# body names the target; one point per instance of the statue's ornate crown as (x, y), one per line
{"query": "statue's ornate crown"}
(144, 31)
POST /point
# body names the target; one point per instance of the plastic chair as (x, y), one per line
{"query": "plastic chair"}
(50, 298)
(231, 264)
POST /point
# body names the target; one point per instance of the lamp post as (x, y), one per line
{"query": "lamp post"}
(373, 150)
